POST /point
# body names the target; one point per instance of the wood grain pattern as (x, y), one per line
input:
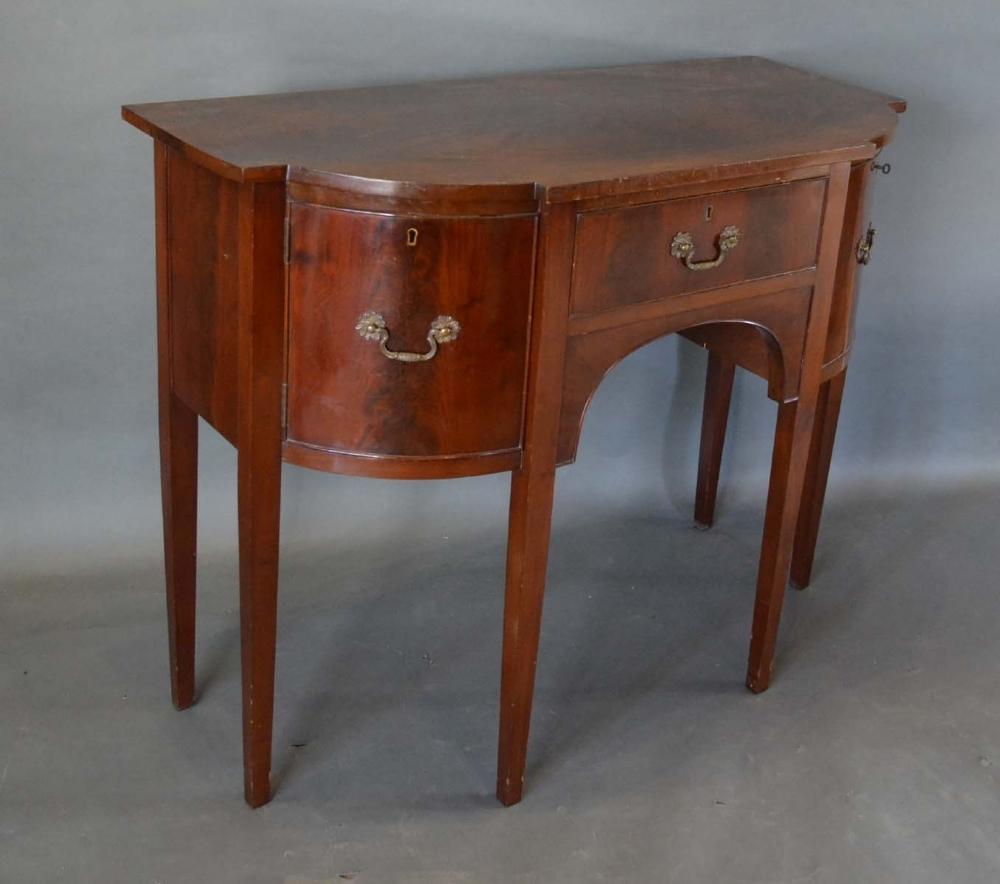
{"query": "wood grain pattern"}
(623, 255)
(745, 347)
(844, 309)
(780, 317)
(625, 156)
(749, 354)
(178, 462)
(576, 133)
(386, 466)
(817, 472)
(718, 390)
(734, 344)
(404, 198)
(344, 395)
(202, 229)
(791, 449)
(261, 371)
(531, 495)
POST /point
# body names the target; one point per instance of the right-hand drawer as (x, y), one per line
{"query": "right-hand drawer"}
(642, 253)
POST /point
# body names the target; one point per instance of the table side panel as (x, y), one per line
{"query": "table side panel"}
(202, 230)
(845, 288)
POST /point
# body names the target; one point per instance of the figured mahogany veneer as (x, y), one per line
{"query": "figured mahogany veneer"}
(623, 255)
(345, 396)
(516, 237)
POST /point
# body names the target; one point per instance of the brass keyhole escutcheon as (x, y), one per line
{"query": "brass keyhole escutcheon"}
(411, 236)
(709, 210)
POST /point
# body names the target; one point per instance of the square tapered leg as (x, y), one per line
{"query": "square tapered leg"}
(818, 470)
(527, 557)
(715, 417)
(791, 448)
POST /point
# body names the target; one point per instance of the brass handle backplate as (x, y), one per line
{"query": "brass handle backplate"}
(682, 246)
(865, 244)
(371, 326)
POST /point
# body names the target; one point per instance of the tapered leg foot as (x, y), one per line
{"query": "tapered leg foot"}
(257, 785)
(527, 557)
(718, 392)
(510, 793)
(179, 481)
(817, 471)
(791, 448)
(258, 622)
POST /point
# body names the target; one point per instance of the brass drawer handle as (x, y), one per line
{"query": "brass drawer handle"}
(682, 247)
(865, 245)
(371, 326)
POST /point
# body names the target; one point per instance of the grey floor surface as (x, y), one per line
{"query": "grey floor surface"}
(875, 756)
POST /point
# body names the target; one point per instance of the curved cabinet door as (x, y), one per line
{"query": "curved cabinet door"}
(407, 336)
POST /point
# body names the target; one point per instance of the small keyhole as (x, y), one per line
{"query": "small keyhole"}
(708, 213)
(411, 236)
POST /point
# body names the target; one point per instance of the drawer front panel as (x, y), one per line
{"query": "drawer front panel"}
(345, 393)
(623, 256)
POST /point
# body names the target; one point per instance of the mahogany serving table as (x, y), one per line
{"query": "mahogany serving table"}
(430, 281)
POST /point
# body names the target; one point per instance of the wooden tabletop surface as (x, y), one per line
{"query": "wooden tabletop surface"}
(558, 129)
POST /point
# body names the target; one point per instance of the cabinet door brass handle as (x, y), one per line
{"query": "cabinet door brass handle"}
(371, 326)
(682, 247)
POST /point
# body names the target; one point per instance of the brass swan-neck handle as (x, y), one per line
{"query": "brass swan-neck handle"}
(682, 247)
(372, 327)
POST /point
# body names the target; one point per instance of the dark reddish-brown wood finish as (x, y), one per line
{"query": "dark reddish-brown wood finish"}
(576, 133)
(202, 217)
(261, 337)
(818, 469)
(718, 391)
(843, 312)
(178, 463)
(791, 449)
(778, 313)
(531, 494)
(724, 342)
(544, 206)
(623, 255)
(345, 396)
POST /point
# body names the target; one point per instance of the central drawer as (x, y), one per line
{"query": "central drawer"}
(640, 253)
(407, 335)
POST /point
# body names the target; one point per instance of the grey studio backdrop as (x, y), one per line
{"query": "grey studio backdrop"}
(79, 485)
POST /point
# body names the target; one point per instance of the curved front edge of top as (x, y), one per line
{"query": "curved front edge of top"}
(407, 328)
(349, 191)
